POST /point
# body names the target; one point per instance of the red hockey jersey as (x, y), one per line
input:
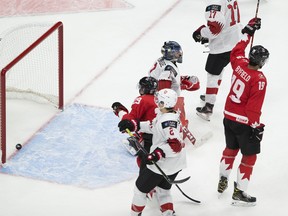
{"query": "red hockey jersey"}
(142, 109)
(248, 87)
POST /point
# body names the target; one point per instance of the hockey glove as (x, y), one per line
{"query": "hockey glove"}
(117, 107)
(204, 40)
(197, 35)
(257, 133)
(190, 83)
(132, 125)
(156, 155)
(253, 25)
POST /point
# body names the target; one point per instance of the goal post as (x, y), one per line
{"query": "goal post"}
(31, 62)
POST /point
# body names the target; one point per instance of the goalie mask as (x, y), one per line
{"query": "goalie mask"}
(167, 97)
(172, 51)
(147, 85)
(258, 55)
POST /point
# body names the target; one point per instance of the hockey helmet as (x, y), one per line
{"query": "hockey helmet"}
(147, 85)
(258, 55)
(167, 97)
(172, 51)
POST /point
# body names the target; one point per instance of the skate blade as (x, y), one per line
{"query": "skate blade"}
(204, 116)
(219, 195)
(242, 203)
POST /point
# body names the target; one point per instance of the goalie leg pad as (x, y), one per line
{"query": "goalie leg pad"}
(130, 145)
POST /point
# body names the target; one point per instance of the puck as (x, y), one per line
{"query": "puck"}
(18, 146)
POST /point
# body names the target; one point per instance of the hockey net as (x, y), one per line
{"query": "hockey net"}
(31, 62)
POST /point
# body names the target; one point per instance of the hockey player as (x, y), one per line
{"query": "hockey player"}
(167, 151)
(243, 130)
(142, 109)
(166, 71)
(223, 31)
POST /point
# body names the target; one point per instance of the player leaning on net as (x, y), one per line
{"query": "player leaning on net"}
(223, 31)
(166, 71)
(142, 109)
(167, 151)
(243, 130)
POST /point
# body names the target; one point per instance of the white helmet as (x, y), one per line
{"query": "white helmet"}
(167, 97)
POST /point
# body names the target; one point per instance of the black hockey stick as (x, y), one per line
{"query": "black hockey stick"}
(256, 15)
(175, 182)
(194, 200)
(139, 146)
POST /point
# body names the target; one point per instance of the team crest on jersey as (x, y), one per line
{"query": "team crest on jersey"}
(170, 123)
(213, 8)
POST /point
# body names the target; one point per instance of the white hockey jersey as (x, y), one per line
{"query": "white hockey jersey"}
(223, 25)
(166, 126)
(166, 70)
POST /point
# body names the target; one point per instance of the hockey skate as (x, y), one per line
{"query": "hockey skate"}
(222, 184)
(205, 112)
(240, 198)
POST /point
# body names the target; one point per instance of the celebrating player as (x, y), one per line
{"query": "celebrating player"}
(243, 130)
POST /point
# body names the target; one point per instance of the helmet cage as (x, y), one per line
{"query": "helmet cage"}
(172, 51)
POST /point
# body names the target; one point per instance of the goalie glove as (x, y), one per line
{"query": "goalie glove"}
(118, 107)
(190, 83)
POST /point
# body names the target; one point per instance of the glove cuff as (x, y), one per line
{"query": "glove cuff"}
(199, 29)
(159, 153)
(249, 30)
(136, 124)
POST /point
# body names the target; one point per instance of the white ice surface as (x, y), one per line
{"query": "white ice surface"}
(105, 55)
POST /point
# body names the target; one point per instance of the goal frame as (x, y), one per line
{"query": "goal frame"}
(56, 27)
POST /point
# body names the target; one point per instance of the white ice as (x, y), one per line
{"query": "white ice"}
(106, 53)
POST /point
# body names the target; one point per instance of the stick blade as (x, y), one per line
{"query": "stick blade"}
(203, 139)
(180, 180)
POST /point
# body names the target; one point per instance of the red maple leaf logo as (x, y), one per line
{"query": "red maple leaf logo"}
(215, 27)
(246, 171)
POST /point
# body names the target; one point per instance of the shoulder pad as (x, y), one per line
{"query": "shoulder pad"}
(170, 123)
(171, 69)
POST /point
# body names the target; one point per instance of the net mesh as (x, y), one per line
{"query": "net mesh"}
(35, 77)
(29, 66)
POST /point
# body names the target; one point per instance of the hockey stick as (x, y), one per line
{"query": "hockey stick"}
(256, 15)
(139, 146)
(203, 139)
(196, 142)
(189, 135)
(193, 200)
(145, 152)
